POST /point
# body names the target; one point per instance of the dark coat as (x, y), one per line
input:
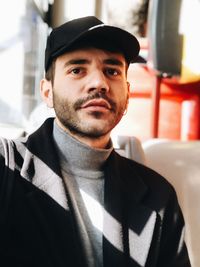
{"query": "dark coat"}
(143, 224)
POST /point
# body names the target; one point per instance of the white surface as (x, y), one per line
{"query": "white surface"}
(129, 147)
(10, 131)
(179, 163)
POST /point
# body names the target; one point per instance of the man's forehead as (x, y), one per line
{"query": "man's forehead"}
(90, 53)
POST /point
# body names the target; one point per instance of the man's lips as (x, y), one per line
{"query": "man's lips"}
(101, 103)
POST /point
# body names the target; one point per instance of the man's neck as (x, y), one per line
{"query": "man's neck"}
(99, 142)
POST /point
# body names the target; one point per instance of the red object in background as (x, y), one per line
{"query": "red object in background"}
(179, 106)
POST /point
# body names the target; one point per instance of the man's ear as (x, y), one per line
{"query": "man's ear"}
(128, 94)
(46, 92)
(128, 86)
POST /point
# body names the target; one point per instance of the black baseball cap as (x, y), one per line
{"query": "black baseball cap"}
(89, 29)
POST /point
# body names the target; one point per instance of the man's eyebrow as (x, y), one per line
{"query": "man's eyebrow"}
(77, 61)
(80, 61)
(113, 61)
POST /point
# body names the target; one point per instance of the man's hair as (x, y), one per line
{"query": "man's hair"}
(49, 75)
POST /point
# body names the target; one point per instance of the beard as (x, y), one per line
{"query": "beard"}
(95, 124)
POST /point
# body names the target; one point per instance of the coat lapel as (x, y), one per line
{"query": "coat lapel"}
(43, 172)
(44, 178)
(129, 225)
(141, 227)
(40, 163)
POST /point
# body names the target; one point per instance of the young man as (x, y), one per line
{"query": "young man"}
(66, 197)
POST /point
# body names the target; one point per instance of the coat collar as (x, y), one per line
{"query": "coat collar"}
(41, 165)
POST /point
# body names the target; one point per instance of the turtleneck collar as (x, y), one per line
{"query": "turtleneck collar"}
(79, 155)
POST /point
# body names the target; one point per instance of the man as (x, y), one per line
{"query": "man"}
(67, 198)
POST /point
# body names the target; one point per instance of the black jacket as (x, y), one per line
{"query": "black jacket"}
(143, 226)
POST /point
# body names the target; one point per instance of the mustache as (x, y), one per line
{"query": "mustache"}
(97, 95)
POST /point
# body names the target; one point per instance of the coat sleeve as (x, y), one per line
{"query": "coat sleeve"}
(2, 161)
(7, 165)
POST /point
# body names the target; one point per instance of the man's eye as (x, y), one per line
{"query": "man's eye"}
(76, 71)
(112, 72)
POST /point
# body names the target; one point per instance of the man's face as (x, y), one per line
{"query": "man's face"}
(90, 91)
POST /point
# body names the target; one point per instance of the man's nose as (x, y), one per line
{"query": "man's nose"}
(98, 81)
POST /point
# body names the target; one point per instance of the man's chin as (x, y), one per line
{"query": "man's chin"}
(94, 130)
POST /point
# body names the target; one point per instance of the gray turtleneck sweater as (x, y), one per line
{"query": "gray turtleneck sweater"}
(82, 170)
